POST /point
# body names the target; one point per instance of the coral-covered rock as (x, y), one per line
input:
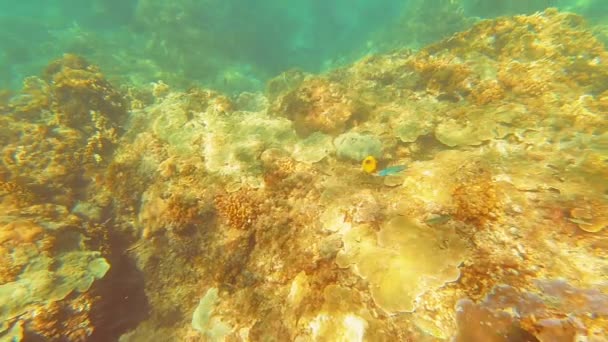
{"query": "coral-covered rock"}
(79, 90)
(59, 128)
(35, 97)
(477, 197)
(502, 137)
(45, 273)
(403, 261)
(443, 76)
(239, 209)
(554, 311)
(318, 104)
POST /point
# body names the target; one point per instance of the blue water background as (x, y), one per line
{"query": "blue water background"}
(232, 45)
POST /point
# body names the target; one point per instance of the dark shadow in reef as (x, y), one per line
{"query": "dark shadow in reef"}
(123, 303)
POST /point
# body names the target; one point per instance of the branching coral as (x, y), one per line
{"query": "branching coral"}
(79, 88)
(182, 213)
(135, 164)
(523, 79)
(486, 92)
(305, 244)
(60, 127)
(64, 320)
(21, 196)
(277, 165)
(177, 210)
(239, 209)
(34, 98)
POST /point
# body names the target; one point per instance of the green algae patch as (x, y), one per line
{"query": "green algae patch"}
(402, 261)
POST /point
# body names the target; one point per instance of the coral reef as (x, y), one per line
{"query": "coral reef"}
(80, 90)
(57, 133)
(249, 218)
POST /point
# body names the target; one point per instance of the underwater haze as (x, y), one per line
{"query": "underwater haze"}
(232, 45)
(206, 40)
(346, 170)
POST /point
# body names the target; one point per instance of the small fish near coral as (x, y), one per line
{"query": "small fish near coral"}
(391, 170)
(370, 165)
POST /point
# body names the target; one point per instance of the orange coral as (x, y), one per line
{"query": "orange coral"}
(47, 321)
(521, 79)
(476, 198)
(9, 269)
(21, 195)
(76, 113)
(66, 320)
(277, 166)
(240, 209)
(45, 162)
(487, 91)
(19, 232)
(181, 213)
(22, 236)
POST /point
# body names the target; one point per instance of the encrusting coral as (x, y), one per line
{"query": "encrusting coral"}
(318, 104)
(56, 135)
(78, 89)
(240, 209)
(476, 198)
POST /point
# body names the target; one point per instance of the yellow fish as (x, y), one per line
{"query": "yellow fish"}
(369, 164)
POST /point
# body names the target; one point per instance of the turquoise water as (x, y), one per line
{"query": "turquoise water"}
(231, 45)
(321, 170)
